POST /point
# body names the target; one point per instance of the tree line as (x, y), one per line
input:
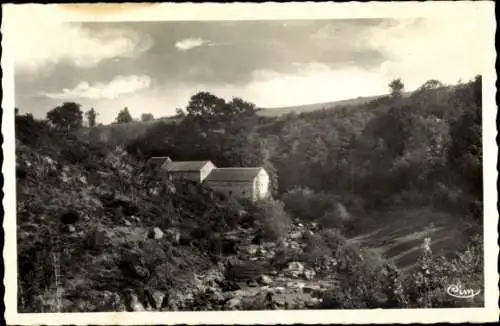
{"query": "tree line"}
(69, 115)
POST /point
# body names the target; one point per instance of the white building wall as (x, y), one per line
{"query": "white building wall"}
(205, 171)
(236, 189)
(262, 185)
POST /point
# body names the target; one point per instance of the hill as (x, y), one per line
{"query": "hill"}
(357, 190)
(275, 112)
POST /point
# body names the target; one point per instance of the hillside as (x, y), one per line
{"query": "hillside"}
(357, 191)
(276, 112)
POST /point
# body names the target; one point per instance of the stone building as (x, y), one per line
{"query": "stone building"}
(251, 183)
(188, 170)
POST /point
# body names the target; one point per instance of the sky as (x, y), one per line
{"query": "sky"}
(154, 67)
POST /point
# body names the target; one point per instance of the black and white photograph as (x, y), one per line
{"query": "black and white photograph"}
(317, 165)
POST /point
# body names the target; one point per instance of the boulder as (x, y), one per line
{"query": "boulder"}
(141, 271)
(295, 285)
(294, 269)
(173, 235)
(233, 304)
(309, 274)
(134, 304)
(156, 233)
(264, 279)
(158, 297)
(70, 228)
(295, 235)
(251, 249)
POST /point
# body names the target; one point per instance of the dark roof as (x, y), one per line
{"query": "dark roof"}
(233, 174)
(185, 166)
(158, 161)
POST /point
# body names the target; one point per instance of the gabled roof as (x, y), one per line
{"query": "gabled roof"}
(185, 166)
(159, 161)
(233, 174)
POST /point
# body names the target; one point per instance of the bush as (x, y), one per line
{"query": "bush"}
(272, 217)
(427, 287)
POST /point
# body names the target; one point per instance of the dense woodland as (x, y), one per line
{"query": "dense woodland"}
(397, 150)
(340, 168)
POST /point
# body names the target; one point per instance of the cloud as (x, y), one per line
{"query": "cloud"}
(45, 40)
(447, 48)
(191, 43)
(120, 85)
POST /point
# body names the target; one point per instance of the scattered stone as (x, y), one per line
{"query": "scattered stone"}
(135, 304)
(264, 279)
(156, 233)
(294, 269)
(251, 249)
(279, 289)
(295, 235)
(309, 274)
(70, 228)
(141, 271)
(173, 235)
(295, 285)
(233, 304)
(158, 297)
(252, 283)
(311, 288)
(127, 222)
(83, 179)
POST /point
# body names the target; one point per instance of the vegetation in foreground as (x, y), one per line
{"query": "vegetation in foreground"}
(111, 234)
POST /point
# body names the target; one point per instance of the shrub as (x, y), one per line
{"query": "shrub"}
(272, 217)
(427, 287)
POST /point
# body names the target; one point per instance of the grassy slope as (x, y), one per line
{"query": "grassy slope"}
(398, 235)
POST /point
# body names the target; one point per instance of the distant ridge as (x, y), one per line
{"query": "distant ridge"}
(273, 112)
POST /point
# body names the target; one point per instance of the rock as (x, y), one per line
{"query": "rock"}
(70, 228)
(252, 283)
(309, 274)
(295, 285)
(279, 289)
(295, 235)
(158, 297)
(251, 249)
(311, 288)
(313, 302)
(156, 233)
(134, 303)
(217, 297)
(127, 222)
(65, 178)
(233, 304)
(294, 269)
(141, 271)
(173, 235)
(264, 279)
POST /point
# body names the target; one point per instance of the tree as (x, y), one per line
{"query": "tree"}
(66, 116)
(145, 117)
(91, 117)
(397, 87)
(124, 116)
(180, 113)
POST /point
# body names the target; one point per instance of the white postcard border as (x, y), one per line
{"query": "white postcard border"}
(249, 11)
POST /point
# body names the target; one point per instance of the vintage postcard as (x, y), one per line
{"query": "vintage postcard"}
(242, 163)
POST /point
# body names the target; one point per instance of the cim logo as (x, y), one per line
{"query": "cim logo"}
(457, 291)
